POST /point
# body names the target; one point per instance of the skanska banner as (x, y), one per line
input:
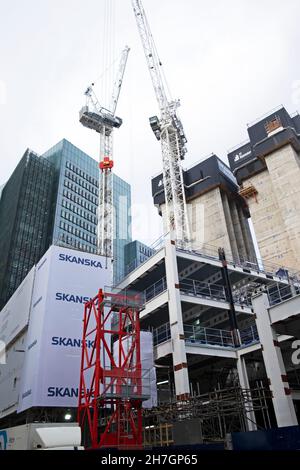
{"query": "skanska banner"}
(64, 280)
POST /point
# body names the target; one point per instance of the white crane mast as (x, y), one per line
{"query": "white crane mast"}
(168, 129)
(119, 80)
(102, 120)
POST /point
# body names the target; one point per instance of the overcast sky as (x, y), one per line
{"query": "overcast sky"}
(228, 61)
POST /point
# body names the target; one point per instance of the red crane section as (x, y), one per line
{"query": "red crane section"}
(111, 379)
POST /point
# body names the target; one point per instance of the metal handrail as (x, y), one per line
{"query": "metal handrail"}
(155, 289)
(197, 289)
(249, 335)
(211, 252)
(202, 289)
(277, 293)
(197, 334)
(213, 336)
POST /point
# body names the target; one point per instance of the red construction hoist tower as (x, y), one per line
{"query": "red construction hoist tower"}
(111, 380)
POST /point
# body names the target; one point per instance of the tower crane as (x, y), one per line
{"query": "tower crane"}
(169, 130)
(104, 121)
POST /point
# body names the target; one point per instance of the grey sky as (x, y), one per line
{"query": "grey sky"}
(228, 61)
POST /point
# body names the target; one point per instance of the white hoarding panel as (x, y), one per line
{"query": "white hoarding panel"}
(15, 315)
(148, 367)
(65, 280)
(31, 374)
(10, 376)
(147, 358)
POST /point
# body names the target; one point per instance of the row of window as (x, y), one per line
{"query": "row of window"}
(81, 182)
(78, 233)
(79, 211)
(77, 221)
(146, 251)
(80, 191)
(77, 244)
(81, 173)
(81, 202)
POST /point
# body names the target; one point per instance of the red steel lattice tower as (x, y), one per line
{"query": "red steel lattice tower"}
(111, 382)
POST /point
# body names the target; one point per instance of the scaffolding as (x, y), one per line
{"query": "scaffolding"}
(219, 412)
(248, 192)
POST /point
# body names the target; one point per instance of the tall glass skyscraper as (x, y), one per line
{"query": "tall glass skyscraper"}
(122, 225)
(75, 202)
(24, 221)
(136, 253)
(75, 197)
(53, 199)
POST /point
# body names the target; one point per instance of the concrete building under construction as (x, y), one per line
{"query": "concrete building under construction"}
(267, 167)
(223, 338)
(218, 214)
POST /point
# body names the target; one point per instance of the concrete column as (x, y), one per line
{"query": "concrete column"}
(181, 374)
(244, 383)
(282, 399)
(229, 224)
(247, 236)
(238, 230)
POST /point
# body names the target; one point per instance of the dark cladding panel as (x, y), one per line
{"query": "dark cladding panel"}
(266, 135)
(240, 156)
(250, 169)
(296, 120)
(158, 190)
(226, 175)
(199, 179)
(258, 131)
(276, 141)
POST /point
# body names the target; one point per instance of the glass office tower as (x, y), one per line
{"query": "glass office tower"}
(75, 203)
(122, 225)
(24, 221)
(136, 253)
(53, 199)
(75, 197)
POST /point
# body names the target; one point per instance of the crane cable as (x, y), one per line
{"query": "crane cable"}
(108, 49)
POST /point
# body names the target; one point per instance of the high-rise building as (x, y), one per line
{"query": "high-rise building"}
(75, 197)
(268, 168)
(122, 225)
(24, 221)
(75, 202)
(217, 213)
(53, 199)
(136, 253)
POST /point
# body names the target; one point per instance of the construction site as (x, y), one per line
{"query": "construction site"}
(196, 347)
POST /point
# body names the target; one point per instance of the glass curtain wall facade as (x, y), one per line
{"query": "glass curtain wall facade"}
(136, 253)
(53, 199)
(24, 221)
(122, 225)
(75, 199)
(75, 203)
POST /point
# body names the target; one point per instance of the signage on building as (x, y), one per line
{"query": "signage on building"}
(65, 279)
(226, 172)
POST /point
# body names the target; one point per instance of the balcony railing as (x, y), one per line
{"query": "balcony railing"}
(212, 336)
(249, 335)
(278, 293)
(156, 289)
(161, 334)
(265, 267)
(211, 252)
(202, 289)
(196, 334)
(197, 289)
